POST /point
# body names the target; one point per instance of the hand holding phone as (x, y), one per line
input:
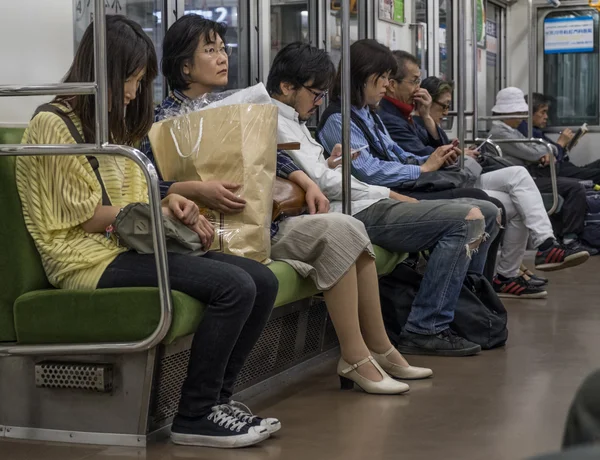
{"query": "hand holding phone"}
(353, 153)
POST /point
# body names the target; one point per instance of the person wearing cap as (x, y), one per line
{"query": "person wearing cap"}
(569, 225)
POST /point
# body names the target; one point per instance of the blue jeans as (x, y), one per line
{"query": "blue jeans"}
(438, 225)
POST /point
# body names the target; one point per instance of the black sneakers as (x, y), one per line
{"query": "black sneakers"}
(243, 414)
(217, 429)
(446, 343)
(578, 245)
(518, 288)
(559, 256)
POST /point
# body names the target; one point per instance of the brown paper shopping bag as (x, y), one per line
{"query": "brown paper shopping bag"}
(235, 143)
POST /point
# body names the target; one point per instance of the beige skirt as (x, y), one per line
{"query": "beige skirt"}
(321, 246)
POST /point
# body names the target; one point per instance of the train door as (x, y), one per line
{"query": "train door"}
(494, 65)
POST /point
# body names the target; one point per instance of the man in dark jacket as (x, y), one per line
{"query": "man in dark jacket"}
(403, 97)
(565, 167)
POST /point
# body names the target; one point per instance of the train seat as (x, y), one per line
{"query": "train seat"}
(32, 312)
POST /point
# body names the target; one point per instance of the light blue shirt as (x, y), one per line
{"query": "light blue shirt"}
(367, 167)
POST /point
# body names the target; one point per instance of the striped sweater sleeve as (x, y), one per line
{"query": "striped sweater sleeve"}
(60, 192)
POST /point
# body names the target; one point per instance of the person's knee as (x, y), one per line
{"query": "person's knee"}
(265, 281)
(476, 221)
(240, 289)
(474, 214)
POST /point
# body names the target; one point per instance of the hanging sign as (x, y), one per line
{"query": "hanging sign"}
(569, 35)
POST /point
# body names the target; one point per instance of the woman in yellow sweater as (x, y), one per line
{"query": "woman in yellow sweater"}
(63, 211)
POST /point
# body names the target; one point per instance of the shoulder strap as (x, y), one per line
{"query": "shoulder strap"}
(79, 139)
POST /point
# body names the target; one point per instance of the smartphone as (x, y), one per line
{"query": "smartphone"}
(455, 143)
(352, 152)
(478, 149)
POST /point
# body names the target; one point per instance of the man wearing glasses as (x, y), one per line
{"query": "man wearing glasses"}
(404, 96)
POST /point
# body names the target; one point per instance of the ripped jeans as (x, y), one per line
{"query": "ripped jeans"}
(439, 225)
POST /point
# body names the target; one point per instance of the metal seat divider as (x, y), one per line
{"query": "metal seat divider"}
(101, 147)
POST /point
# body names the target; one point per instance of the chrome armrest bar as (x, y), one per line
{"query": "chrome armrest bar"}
(48, 90)
(491, 143)
(550, 149)
(346, 109)
(502, 117)
(453, 113)
(160, 252)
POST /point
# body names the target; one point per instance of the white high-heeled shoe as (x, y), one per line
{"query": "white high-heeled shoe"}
(349, 376)
(401, 372)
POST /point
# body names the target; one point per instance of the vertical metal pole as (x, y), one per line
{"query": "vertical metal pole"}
(100, 71)
(462, 70)
(532, 66)
(476, 77)
(346, 107)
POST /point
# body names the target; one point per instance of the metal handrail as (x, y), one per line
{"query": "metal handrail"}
(158, 239)
(462, 70)
(346, 107)
(502, 117)
(48, 90)
(100, 89)
(475, 64)
(550, 149)
(491, 143)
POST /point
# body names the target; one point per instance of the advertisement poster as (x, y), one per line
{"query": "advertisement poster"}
(480, 24)
(392, 11)
(569, 35)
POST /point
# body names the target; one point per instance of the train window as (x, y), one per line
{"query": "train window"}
(571, 66)
(289, 23)
(226, 11)
(446, 43)
(147, 13)
(334, 27)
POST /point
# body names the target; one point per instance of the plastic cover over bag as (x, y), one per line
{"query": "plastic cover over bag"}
(231, 137)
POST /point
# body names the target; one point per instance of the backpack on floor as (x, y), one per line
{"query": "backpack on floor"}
(480, 316)
(593, 201)
(591, 230)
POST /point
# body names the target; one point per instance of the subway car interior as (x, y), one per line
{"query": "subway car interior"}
(116, 343)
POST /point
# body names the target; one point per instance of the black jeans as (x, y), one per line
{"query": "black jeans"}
(239, 295)
(490, 264)
(571, 218)
(587, 172)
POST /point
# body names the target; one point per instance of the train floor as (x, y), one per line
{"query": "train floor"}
(504, 404)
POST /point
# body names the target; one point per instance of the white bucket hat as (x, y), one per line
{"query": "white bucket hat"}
(510, 100)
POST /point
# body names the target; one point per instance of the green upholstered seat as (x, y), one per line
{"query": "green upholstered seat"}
(127, 314)
(11, 135)
(32, 312)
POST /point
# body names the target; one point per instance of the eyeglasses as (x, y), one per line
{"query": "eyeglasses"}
(415, 82)
(212, 52)
(318, 96)
(443, 106)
